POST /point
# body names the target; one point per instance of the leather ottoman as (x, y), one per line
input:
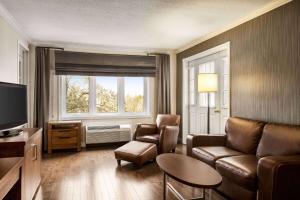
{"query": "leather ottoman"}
(136, 152)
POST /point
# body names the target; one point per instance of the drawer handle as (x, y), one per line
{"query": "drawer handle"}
(34, 156)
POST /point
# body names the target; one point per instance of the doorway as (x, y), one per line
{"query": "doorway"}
(23, 75)
(195, 104)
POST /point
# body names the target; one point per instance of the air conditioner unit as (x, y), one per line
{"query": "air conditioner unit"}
(97, 134)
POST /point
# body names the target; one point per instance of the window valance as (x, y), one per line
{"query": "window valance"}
(95, 64)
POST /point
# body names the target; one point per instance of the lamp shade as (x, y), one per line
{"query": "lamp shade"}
(207, 82)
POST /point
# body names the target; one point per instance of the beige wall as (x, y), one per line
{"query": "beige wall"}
(9, 39)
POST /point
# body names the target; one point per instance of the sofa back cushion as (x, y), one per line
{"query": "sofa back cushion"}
(243, 134)
(279, 140)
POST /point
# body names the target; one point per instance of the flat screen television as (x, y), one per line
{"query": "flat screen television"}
(13, 106)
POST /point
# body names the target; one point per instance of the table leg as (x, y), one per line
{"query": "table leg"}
(168, 187)
(165, 187)
(210, 194)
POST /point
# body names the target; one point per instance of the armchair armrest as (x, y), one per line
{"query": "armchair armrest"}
(279, 177)
(168, 138)
(204, 140)
(144, 129)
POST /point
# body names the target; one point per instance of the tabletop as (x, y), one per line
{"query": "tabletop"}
(188, 170)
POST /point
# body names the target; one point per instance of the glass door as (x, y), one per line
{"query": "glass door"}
(219, 101)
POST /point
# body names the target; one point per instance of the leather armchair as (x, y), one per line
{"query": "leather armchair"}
(164, 133)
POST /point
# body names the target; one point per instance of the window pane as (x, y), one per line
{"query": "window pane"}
(134, 94)
(107, 94)
(77, 94)
(203, 100)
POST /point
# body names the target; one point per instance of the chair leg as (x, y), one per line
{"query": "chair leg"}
(119, 162)
(173, 150)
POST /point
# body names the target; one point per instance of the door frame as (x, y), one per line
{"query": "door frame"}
(23, 48)
(185, 100)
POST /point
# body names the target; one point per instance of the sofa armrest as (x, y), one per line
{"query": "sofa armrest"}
(168, 138)
(279, 177)
(144, 129)
(204, 140)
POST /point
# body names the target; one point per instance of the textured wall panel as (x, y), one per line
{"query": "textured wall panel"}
(265, 66)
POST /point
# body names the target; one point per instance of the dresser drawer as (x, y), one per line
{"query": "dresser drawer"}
(64, 140)
(65, 133)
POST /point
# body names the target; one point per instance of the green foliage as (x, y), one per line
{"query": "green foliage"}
(134, 103)
(77, 100)
(107, 100)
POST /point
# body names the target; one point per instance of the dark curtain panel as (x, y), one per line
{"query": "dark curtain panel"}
(42, 81)
(95, 64)
(163, 84)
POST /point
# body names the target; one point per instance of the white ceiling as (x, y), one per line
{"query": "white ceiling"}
(144, 24)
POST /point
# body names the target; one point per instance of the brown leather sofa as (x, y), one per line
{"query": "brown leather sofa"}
(164, 133)
(257, 160)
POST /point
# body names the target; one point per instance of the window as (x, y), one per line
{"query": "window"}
(106, 94)
(77, 94)
(84, 96)
(134, 94)
(192, 86)
(208, 67)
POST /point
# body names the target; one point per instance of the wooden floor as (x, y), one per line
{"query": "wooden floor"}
(93, 174)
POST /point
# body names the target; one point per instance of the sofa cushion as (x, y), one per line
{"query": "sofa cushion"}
(241, 170)
(243, 135)
(209, 154)
(149, 138)
(279, 140)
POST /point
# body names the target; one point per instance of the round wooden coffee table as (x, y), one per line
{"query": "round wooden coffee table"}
(189, 171)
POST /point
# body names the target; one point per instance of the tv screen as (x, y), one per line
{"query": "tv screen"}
(13, 105)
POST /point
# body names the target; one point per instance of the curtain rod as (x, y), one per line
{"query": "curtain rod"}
(155, 54)
(57, 48)
(152, 54)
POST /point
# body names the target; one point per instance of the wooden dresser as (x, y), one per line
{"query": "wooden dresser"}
(27, 145)
(11, 178)
(64, 135)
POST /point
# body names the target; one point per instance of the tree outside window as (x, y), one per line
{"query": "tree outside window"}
(134, 94)
(77, 94)
(102, 94)
(106, 94)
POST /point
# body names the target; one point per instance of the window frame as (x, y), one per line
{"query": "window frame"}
(93, 114)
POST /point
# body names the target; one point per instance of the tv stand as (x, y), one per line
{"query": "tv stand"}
(27, 145)
(10, 133)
